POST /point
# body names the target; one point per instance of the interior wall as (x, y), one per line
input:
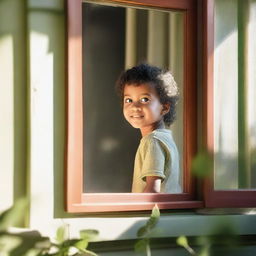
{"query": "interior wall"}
(110, 142)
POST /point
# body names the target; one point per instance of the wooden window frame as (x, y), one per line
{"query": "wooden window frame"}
(76, 200)
(216, 198)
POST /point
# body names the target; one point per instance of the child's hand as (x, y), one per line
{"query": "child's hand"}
(153, 184)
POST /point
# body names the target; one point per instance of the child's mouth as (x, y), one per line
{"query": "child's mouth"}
(137, 117)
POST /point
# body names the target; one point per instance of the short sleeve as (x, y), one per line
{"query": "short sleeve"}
(153, 159)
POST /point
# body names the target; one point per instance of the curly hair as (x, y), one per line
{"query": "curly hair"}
(161, 80)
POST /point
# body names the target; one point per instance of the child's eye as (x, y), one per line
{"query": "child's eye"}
(144, 100)
(127, 100)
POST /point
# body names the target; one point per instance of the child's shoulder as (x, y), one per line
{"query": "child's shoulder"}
(158, 135)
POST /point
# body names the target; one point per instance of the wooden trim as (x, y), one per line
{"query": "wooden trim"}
(130, 207)
(139, 197)
(74, 145)
(208, 52)
(162, 4)
(190, 96)
(76, 200)
(231, 198)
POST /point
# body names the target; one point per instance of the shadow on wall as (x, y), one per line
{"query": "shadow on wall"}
(14, 105)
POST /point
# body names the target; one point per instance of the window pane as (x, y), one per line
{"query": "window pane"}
(115, 38)
(234, 95)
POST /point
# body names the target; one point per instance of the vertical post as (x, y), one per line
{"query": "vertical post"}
(243, 138)
(130, 38)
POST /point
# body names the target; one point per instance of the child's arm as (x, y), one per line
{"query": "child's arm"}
(153, 184)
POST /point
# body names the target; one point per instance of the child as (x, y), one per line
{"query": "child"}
(149, 96)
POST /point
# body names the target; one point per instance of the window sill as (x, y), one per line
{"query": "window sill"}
(171, 224)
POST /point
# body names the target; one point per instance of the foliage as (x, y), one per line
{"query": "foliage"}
(31, 243)
(202, 164)
(182, 241)
(146, 232)
(223, 236)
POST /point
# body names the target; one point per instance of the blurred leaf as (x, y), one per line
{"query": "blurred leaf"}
(73, 250)
(202, 165)
(68, 243)
(8, 243)
(150, 224)
(38, 243)
(89, 234)
(204, 251)
(155, 212)
(43, 244)
(32, 252)
(141, 245)
(142, 231)
(86, 253)
(13, 215)
(62, 234)
(81, 244)
(182, 241)
(155, 215)
(23, 244)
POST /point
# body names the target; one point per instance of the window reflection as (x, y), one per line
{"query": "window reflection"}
(234, 94)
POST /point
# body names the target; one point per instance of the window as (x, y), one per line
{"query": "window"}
(230, 79)
(114, 38)
(228, 92)
(81, 196)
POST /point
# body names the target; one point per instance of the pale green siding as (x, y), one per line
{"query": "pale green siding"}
(13, 101)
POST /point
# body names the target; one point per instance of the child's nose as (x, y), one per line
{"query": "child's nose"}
(136, 105)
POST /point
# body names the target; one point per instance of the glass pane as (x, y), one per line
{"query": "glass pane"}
(116, 38)
(234, 95)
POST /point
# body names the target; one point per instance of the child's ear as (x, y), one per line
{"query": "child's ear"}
(166, 108)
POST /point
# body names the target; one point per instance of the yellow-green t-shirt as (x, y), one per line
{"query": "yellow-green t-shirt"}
(157, 155)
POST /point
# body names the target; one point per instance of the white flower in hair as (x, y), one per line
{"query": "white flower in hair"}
(169, 84)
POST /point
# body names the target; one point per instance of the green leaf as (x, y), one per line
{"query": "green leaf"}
(155, 215)
(27, 242)
(62, 234)
(32, 252)
(142, 231)
(81, 244)
(13, 215)
(202, 165)
(155, 212)
(89, 234)
(150, 224)
(204, 252)
(8, 243)
(182, 241)
(87, 253)
(141, 245)
(68, 243)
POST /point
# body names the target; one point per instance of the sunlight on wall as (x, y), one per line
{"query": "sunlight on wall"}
(6, 121)
(41, 93)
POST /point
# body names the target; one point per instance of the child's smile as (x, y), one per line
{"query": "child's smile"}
(142, 107)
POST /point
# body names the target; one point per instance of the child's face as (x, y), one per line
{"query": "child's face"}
(142, 107)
